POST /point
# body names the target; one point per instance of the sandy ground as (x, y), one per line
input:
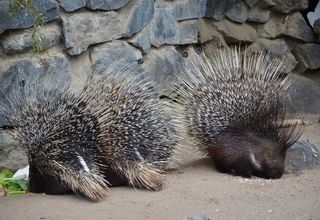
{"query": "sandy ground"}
(195, 190)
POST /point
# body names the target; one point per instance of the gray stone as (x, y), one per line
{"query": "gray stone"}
(296, 27)
(142, 40)
(217, 9)
(48, 72)
(73, 5)
(273, 28)
(188, 32)
(304, 95)
(265, 3)
(251, 3)
(2, 121)
(308, 54)
(234, 32)
(49, 35)
(302, 155)
(11, 157)
(316, 27)
(257, 14)
(208, 32)
(211, 47)
(189, 9)
(135, 15)
(289, 62)
(239, 12)
(290, 5)
(106, 4)
(163, 65)
(201, 217)
(184, 9)
(106, 54)
(85, 28)
(277, 48)
(164, 28)
(23, 19)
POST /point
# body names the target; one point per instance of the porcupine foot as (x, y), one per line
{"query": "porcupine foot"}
(145, 176)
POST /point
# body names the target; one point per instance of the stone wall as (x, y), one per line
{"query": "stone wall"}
(81, 34)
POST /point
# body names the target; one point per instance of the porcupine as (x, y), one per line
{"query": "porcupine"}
(237, 112)
(114, 131)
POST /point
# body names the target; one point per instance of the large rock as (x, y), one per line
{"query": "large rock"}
(47, 72)
(23, 18)
(273, 28)
(11, 156)
(188, 32)
(251, 3)
(265, 3)
(184, 9)
(49, 35)
(234, 32)
(302, 155)
(296, 27)
(163, 65)
(290, 5)
(217, 9)
(116, 51)
(316, 28)
(85, 28)
(308, 55)
(277, 48)
(73, 5)
(304, 95)
(135, 15)
(208, 32)
(201, 217)
(142, 40)
(239, 12)
(257, 14)
(164, 29)
(107, 5)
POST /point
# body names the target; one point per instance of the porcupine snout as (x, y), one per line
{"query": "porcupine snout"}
(248, 155)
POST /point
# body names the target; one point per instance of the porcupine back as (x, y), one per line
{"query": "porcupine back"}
(111, 132)
(236, 110)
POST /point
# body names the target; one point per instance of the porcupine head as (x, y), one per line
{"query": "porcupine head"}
(236, 111)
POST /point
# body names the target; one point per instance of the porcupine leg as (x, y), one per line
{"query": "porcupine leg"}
(144, 175)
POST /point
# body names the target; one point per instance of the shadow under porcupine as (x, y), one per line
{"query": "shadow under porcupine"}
(112, 132)
(237, 111)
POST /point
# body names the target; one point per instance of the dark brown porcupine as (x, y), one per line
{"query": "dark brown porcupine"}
(236, 111)
(112, 132)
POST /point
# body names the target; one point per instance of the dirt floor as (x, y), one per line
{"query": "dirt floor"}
(195, 190)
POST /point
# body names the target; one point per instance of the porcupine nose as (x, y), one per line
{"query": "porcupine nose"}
(274, 170)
